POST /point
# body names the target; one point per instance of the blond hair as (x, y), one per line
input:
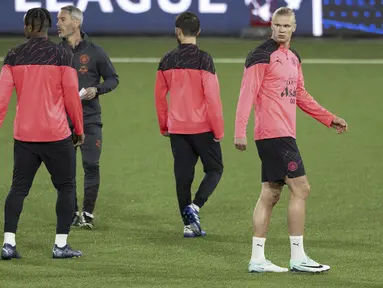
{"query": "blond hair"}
(284, 11)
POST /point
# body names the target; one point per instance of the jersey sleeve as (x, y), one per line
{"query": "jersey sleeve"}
(254, 71)
(107, 72)
(72, 102)
(212, 95)
(6, 86)
(309, 105)
(160, 92)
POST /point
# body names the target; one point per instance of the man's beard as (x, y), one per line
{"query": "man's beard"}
(62, 36)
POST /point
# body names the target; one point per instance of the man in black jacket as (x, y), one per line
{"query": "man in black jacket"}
(91, 63)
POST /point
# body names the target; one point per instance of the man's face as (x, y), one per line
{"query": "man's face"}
(66, 24)
(283, 27)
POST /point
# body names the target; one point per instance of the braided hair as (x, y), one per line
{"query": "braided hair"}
(38, 17)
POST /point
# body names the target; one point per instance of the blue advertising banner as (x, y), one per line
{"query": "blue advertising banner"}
(353, 17)
(157, 16)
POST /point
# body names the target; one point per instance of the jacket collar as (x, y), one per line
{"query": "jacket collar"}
(85, 40)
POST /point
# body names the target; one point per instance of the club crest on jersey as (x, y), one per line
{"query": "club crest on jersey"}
(84, 59)
(295, 62)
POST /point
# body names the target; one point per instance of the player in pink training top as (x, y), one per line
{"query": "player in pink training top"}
(273, 83)
(189, 112)
(47, 93)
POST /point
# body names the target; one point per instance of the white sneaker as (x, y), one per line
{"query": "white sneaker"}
(265, 266)
(308, 265)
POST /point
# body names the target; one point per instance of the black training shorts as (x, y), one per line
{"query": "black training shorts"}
(280, 158)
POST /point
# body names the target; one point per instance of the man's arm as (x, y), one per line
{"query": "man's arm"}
(212, 97)
(251, 83)
(6, 87)
(160, 92)
(107, 72)
(309, 105)
(72, 102)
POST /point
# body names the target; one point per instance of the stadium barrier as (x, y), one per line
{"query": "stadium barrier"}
(218, 17)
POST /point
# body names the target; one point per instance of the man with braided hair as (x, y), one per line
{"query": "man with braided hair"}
(47, 89)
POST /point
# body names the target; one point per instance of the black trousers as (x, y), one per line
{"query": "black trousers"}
(58, 158)
(91, 153)
(187, 149)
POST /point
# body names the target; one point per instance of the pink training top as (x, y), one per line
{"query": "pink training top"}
(194, 103)
(47, 90)
(273, 82)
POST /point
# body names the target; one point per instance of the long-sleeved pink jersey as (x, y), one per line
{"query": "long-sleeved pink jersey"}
(47, 89)
(273, 83)
(188, 75)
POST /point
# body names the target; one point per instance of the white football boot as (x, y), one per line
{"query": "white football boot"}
(265, 266)
(308, 265)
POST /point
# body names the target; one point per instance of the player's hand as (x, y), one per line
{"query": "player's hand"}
(166, 134)
(339, 124)
(218, 140)
(78, 140)
(240, 143)
(90, 93)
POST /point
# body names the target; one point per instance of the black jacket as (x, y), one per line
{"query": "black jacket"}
(92, 64)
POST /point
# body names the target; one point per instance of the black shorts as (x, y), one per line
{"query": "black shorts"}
(280, 158)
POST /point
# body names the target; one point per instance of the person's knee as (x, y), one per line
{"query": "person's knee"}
(19, 191)
(299, 187)
(220, 169)
(216, 169)
(217, 174)
(302, 191)
(91, 166)
(184, 176)
(271, 193)
(20, 188)
(65, 185)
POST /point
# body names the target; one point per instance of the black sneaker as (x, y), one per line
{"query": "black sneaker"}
(87, 220)
(8, 252)
(65, 252)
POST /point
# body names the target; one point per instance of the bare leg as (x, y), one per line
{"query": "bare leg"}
(299, 191)
(269, 197)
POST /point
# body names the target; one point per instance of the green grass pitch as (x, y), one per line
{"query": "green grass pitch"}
(138, 238)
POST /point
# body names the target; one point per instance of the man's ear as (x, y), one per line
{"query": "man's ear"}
(178, 32)
(294, 27)
(78, 23)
